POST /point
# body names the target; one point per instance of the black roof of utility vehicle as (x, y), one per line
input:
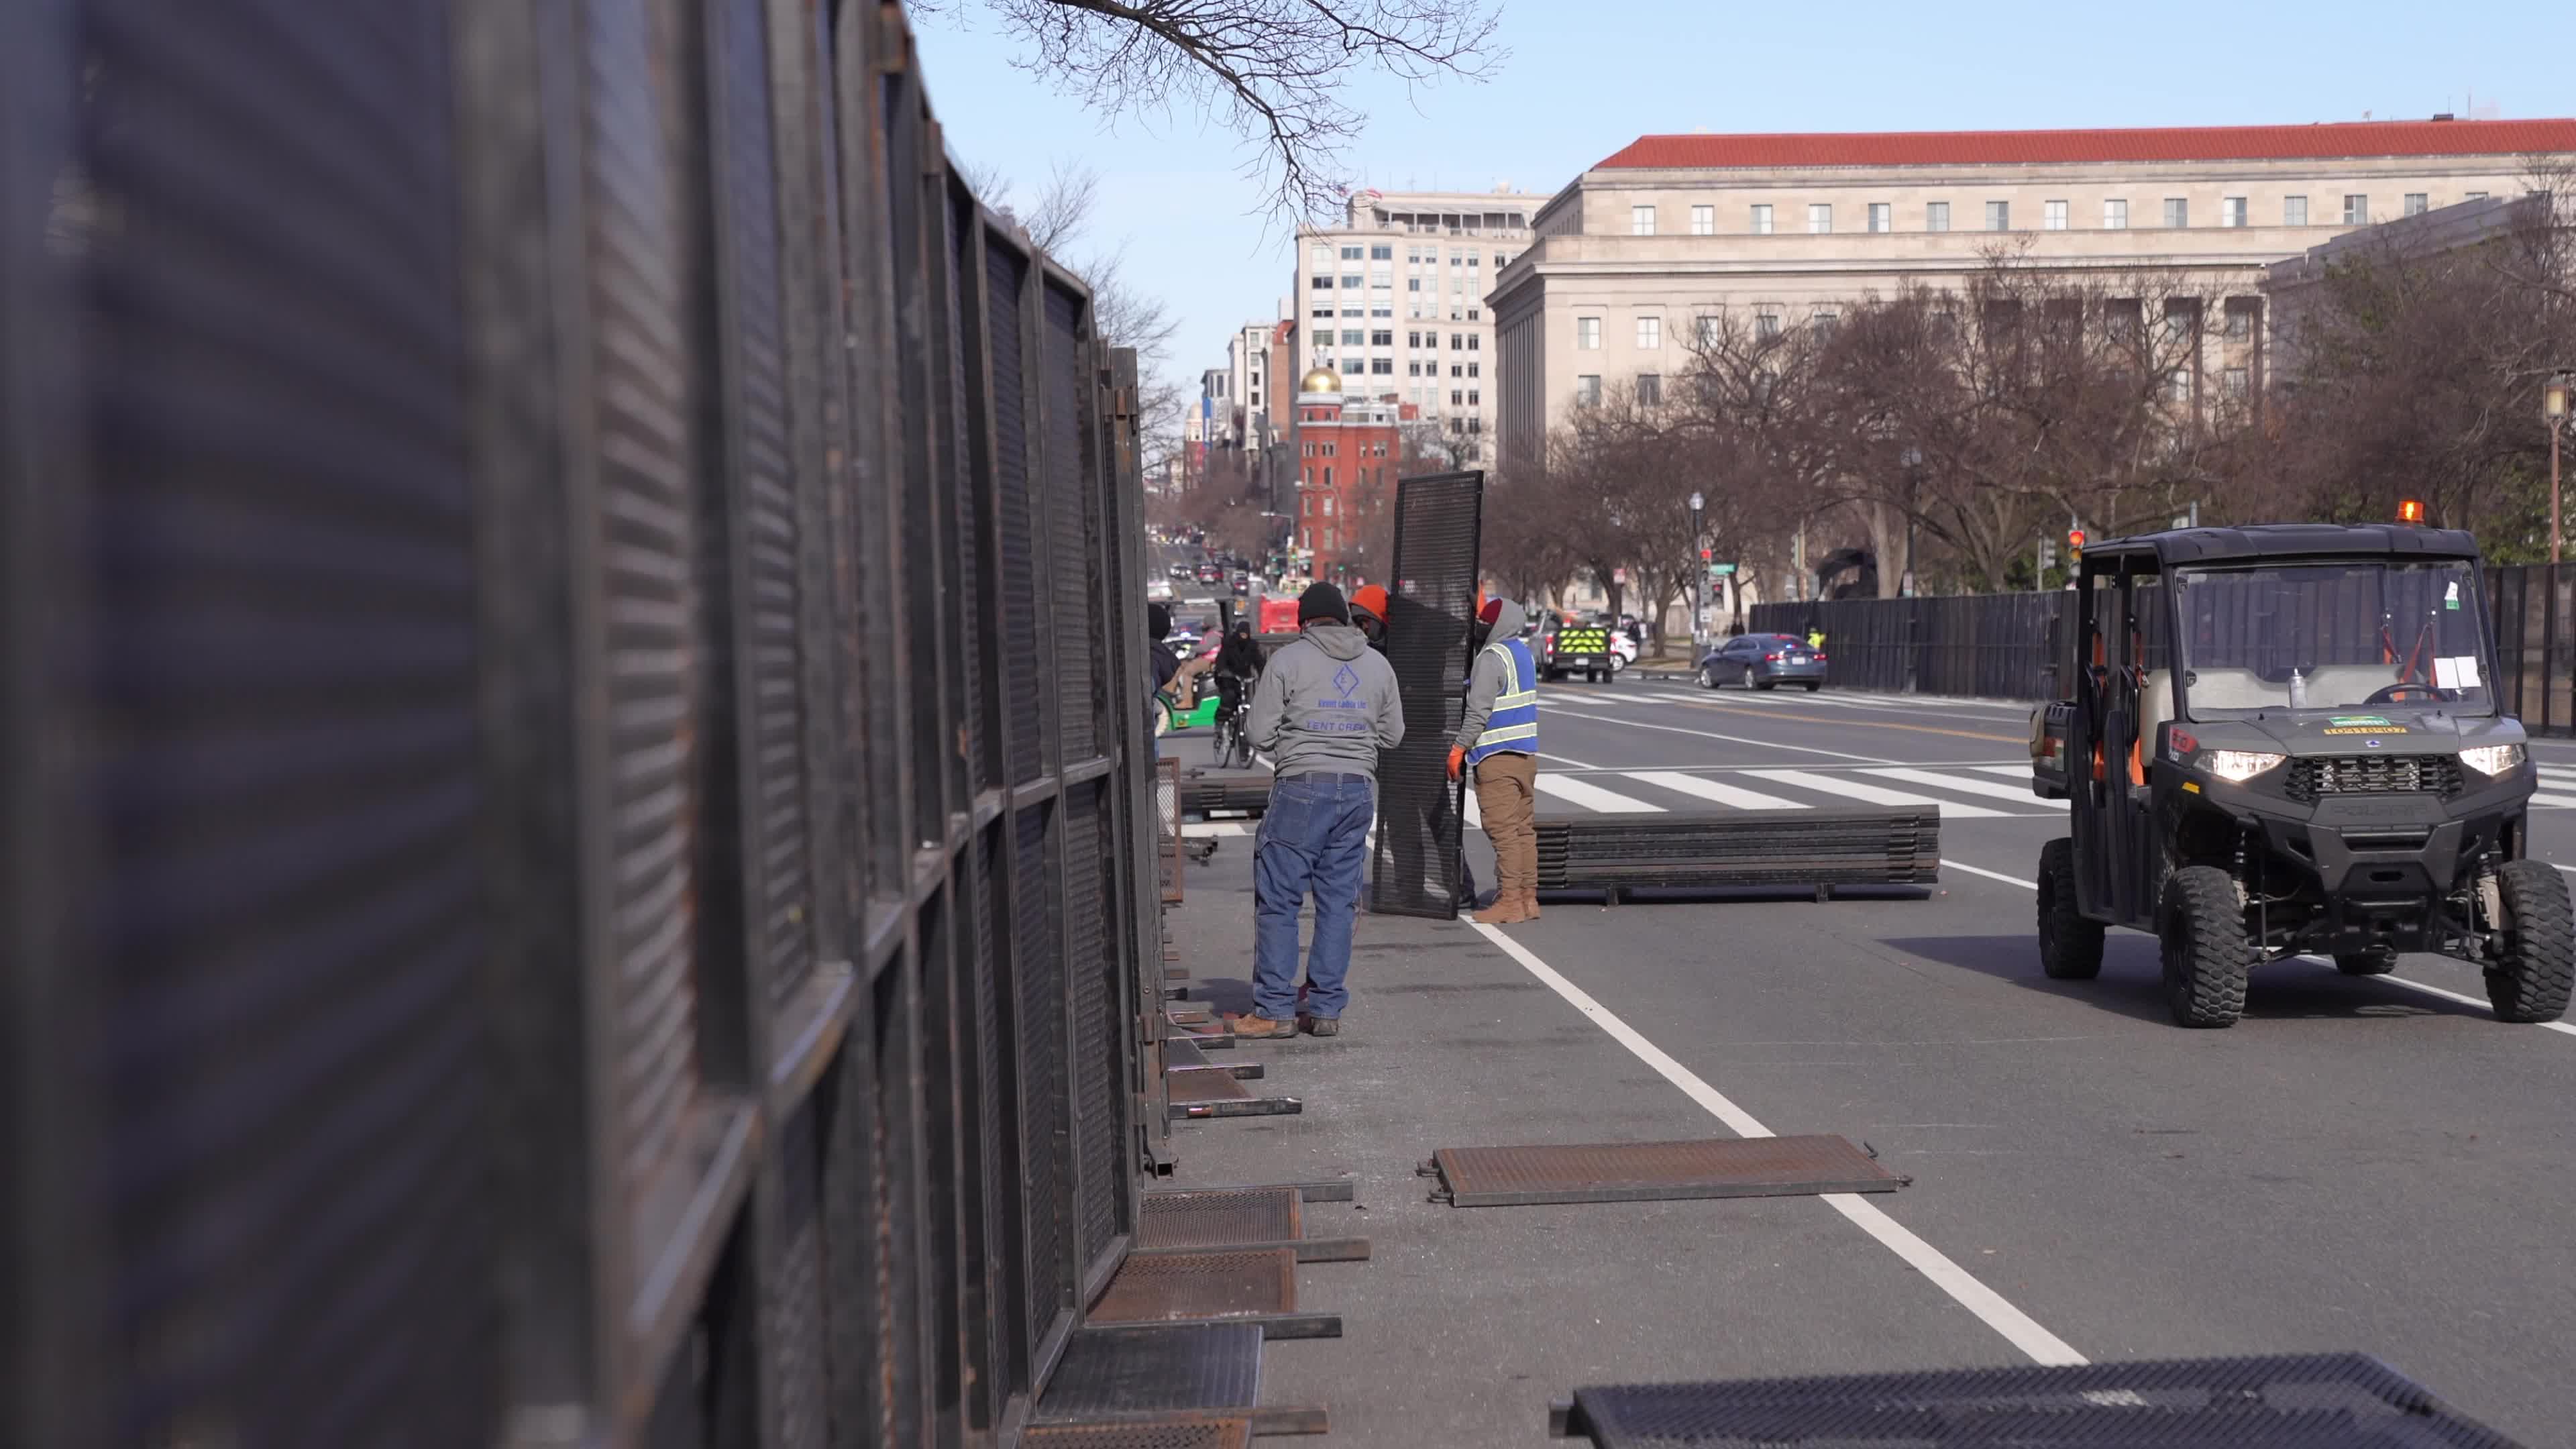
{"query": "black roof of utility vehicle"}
(2284, 540)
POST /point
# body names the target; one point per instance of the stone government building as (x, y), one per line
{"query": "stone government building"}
(1621, 263)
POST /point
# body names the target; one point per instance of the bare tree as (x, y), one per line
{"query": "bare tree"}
(1273, 72)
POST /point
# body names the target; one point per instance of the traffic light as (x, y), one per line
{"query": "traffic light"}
(2074, 547)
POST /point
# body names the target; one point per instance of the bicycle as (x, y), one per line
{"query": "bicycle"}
(1233, 746)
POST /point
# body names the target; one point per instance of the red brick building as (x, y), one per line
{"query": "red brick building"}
(1348, 452)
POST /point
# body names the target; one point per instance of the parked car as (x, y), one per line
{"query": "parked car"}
(1763, 661)
(1158, 591)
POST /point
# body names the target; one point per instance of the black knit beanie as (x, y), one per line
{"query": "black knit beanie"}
(1322, 601)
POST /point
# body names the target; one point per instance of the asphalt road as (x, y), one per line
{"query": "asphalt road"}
(2359, 1164)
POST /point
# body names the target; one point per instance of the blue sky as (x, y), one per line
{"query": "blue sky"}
(1586, 78)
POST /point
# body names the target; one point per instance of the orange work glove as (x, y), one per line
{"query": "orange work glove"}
(1457, 760)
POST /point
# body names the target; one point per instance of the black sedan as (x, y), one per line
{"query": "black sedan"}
(1764, 661)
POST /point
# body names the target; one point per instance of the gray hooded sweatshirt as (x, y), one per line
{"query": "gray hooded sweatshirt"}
(1486, 680)
(1326, 704)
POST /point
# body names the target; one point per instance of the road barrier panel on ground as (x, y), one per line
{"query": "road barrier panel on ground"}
(1618, 853)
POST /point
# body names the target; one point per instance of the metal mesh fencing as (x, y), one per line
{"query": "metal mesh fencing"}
(611, 856)
(1431, 611)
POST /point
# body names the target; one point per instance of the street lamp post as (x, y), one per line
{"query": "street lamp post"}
(1699, 578)
(2554, 405)
(1912, 460)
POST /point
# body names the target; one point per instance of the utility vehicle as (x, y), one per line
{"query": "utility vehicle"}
(2283, 740)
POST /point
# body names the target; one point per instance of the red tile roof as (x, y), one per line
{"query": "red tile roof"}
(2169, 143)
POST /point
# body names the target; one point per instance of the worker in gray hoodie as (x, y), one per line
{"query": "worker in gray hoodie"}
(1323, 709)
(1499, 738)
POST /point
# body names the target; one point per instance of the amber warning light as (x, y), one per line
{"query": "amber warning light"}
(2410, 510)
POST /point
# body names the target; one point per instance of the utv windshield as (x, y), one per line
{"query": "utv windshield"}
(2331, 636)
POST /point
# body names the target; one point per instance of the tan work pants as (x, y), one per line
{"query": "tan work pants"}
(1507, 797)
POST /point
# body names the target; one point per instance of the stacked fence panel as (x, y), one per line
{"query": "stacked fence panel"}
(608, 642)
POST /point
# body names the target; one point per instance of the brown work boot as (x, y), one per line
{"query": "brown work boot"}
(1529, 905)
(1255, 1026)
(1320, 1025)
(1505, 910)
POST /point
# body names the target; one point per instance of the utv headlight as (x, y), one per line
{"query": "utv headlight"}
(2492, 759)
(2239, 765)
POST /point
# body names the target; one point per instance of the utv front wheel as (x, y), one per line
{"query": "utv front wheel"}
(2365, 963)
(2530, 978)
(2070, 947)
(2207, 954)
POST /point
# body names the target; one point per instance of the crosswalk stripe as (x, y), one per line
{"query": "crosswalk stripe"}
(1870, 794)
(2021, 796)
(2562, 801)
(1593, 797)
(1708, 789)
(2014, 772)
(1475, 816)
(2557, 772)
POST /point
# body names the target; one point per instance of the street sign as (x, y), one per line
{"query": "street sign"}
(1720, 570)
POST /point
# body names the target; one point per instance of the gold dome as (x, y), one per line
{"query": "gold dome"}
(1322, 379)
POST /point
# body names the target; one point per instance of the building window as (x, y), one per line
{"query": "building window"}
(1382, 339)
(1351, 336)
(1413, 369)
(1587, 333)
(1328, 478)
(1413, 339)
(1824, 320)
(2231, 211)
(1457, 369)
(1650, 389)
(1457, 395)
(1328, 534)
(1350, 254)
(1350, 281)
(1703, 222)
(1353, 312)
(1587, 390)
(1382, 366)
(1650, 333)
(1704, 330)
(1475, 399)
(2240, 324)
(1328, 501)
(2178, 385)
(1820, 218)
(2415, 203)
(1325, 313)
(1382, 309)
(1766, 324)
(2052, 216)
(1322, 284)
(2236, 382)
(1936, 216)
(2177, 211)
(1456, 341)
(1998, 216)
(2294, 211)
(1381, 253)
(1882, 217)
(2356, 211)
(1641, 221)
(1475, 343)
(1762, 221)
(1413, 284)
(1475, 369)
(2115, 214)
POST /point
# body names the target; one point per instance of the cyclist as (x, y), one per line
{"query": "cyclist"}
(1238, 665)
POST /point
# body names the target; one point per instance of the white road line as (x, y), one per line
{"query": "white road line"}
(1203, 829)
(2021, 772)
(2028, 885)
(1593, 797)
(1972, 787)
(2559, 800)
(2557, 1026)
(1475, 816)
(1870, 794)
(2564, 772)
(1562, 760)
(1991, 1308)
(1712, 790)
(1730, 739)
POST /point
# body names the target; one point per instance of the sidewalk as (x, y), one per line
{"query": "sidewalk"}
(1467, 1322)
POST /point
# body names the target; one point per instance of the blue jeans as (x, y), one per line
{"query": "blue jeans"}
(1313, 837)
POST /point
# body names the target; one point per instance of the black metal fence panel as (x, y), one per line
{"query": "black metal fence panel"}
(605, 599)
(1431, 613)
(1998, 646)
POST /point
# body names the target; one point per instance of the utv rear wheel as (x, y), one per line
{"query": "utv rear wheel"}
(2207, 954)
(2530, 978)
(2366, 963)
(2070, 947)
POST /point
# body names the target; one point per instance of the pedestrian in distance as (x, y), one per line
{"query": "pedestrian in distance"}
(1325, 706)
(1499, 740)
